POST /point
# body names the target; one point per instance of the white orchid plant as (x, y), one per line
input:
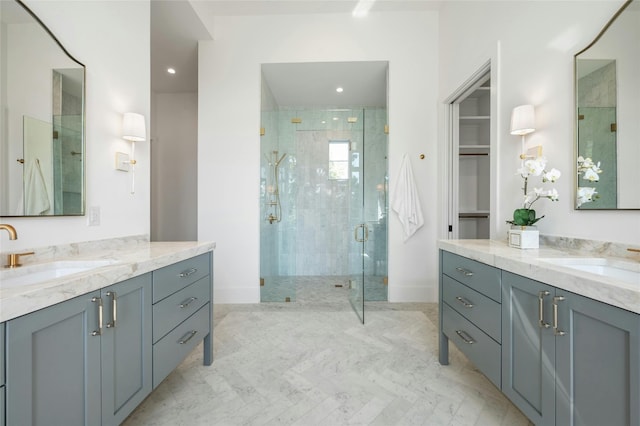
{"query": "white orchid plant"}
(590, 171)
(526, 216)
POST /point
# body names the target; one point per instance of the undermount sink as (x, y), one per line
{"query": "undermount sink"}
(49, 271)
(620, 269)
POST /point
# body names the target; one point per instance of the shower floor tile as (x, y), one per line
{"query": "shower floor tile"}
(310, 362)
(319, 288)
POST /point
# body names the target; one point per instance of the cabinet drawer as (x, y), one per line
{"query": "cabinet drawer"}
(485, 313)
(482, 278)
(171, 311)
(172, 278)
(169, 352)
(483, 351)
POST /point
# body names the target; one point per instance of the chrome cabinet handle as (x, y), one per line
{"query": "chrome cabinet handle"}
(188, 272)
(98, 300)
(465, 337)
(114, 308)
(465, 272)
(187, 337)
(556, 330)
(541, 296)
(187, 302)
(464, 302)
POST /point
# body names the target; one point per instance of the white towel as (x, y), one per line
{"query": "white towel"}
(36, 197)
(405, 201)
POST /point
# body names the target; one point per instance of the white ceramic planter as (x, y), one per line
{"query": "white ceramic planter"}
(524, 237)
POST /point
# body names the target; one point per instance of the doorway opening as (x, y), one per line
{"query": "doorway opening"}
(470, 162)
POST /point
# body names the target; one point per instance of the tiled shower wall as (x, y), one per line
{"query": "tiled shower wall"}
(315, 235)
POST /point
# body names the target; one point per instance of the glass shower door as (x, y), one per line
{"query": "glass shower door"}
(368, 210)
(359, 229)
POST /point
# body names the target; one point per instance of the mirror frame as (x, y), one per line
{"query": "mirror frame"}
(84, 116)
(575, 110)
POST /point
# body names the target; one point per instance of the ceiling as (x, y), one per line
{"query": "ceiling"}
(176, 29)
(314, 84)
(294, 7)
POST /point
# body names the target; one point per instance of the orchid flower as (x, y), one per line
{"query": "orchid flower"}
(591, 175)
(551, 176)
(585, 195)
(590, 171)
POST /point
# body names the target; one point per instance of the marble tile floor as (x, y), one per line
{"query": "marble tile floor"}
(311, 362)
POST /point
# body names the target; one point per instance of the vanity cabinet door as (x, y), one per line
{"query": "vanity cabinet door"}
(126, 348)
(53, 365)
(597, 363)
(528, 348)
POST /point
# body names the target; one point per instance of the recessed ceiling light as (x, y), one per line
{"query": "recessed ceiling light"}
(171, 70)
(339, 89)
(335, 119)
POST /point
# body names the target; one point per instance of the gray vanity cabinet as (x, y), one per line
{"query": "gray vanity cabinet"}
(83, 361)
(53, 365)
(470, 306)
(528, 348)
(568, 359)
(126, 348)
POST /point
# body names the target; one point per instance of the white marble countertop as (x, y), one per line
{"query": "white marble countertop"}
(527, 263)
(130, 260)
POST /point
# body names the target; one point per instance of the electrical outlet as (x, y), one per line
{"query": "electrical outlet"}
(94, 216)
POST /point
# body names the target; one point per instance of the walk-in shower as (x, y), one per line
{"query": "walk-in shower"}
(324, 203)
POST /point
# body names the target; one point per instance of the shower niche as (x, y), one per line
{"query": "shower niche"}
(323, 195)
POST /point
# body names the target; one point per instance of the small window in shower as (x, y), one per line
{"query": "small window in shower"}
(338, 160)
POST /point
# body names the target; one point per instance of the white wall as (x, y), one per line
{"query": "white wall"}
(229, 141)
(535, 43)
(174, 166)
(112, 40)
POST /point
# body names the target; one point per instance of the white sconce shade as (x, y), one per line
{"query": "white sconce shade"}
(523, 120)
(133, 127)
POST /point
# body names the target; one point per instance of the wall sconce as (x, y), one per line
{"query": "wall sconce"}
(522, 123)
(133, 130)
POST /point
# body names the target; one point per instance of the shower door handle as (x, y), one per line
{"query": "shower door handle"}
(365, 233)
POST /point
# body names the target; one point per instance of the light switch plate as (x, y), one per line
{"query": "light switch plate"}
(94, 216)
(122, 161)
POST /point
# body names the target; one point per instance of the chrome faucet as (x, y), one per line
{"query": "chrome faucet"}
(13, 235)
